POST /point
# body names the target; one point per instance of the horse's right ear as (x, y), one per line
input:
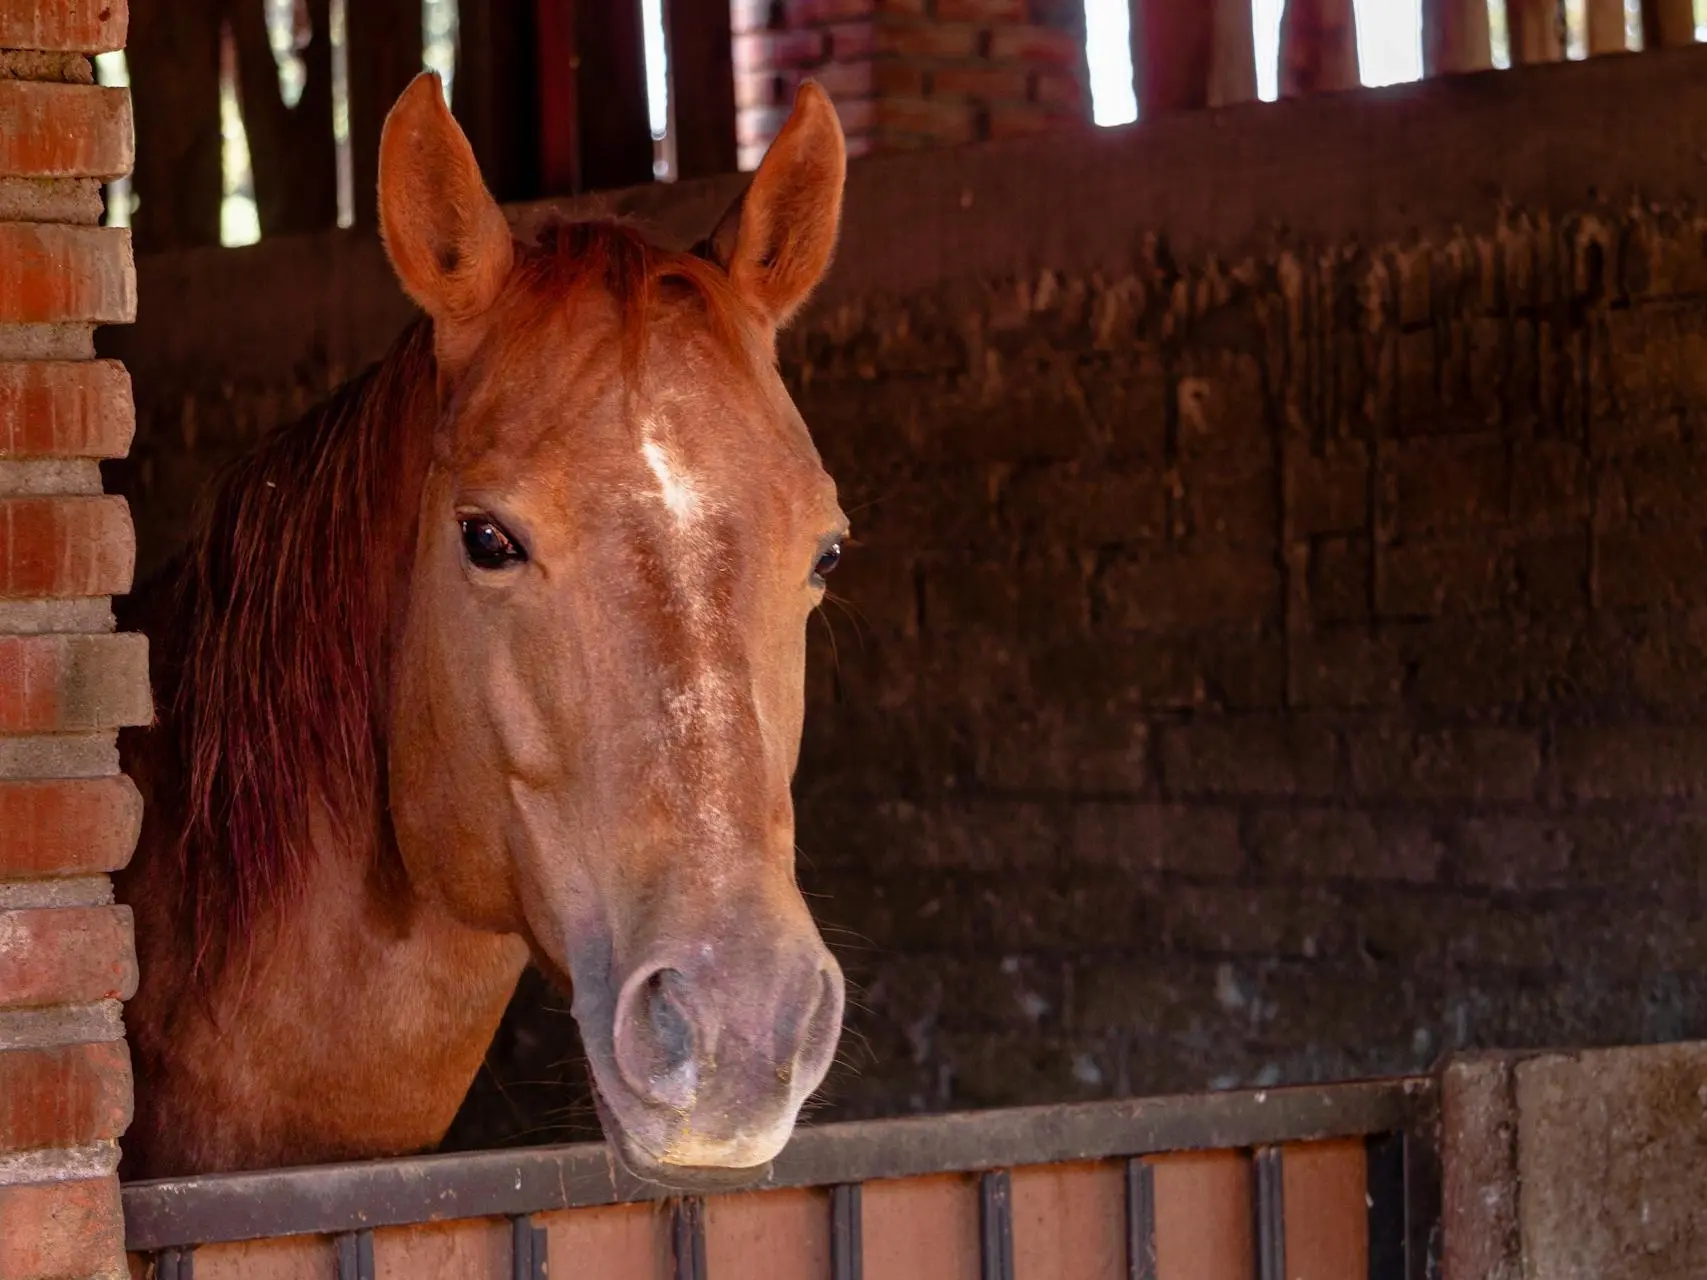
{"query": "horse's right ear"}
(445, 235)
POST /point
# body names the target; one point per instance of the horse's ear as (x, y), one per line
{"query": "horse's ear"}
(445, 235)
(777, 238)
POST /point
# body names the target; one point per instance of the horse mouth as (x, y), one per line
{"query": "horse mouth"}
(681, 1178)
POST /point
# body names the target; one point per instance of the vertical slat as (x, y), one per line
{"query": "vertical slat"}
(1172, 45)
(559, 97)
(1233, 60)
(355, 1256)
(702, 86)
(173, 56)
(496, 99)
(847, 1261)
(385, 55)
(1269, 1206)
(1140, 1221)
(1456, 38)
(529, 1248)
(175, 1264)
(1318, 47)
(996, 1225)
(1536, 31)
(1385, 1196)
(1667, 23)
(615, 125)
(687, 1235)
(291, 150)
(1605, 26)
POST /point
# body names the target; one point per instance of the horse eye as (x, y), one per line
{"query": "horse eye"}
(488, 546)
(827, 562)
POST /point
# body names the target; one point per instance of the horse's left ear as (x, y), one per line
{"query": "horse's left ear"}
(445, 235)
(776, 240)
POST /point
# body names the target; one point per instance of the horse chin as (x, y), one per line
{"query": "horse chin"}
(680, 1178)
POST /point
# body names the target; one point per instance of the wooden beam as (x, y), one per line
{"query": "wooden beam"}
(173, 56)
(496, 95)
(1233, 61)
(702, 86)
(616, 130)
(291, 152)
(559, 64)
(1172, 51)
(1456, 37)
(1318, 47)
(1536, 30)
(1605, 23)
(1667, 24)
(384, 44)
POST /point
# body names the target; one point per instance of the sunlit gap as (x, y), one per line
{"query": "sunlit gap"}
(658, 105)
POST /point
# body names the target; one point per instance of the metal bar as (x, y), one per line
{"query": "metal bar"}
(687, 1230)
(1140, 1221)
(332, 1199)
(1423, 1178)
(1384, 1191)
(1268, 1203)
(996, 1225)
(175, 1264)
(355, 1256)
(529, 1245)
(847, 1231)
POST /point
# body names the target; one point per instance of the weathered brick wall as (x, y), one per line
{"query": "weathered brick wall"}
(912, 73)
(1277, 643)
(67, 682)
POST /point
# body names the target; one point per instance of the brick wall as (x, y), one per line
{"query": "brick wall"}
(67, 680)
(1277, 643)
(912, 73)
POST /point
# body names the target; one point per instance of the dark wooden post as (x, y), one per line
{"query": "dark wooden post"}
(1606, 26)
(384, 43)
(1536, 30)
(1318, 47)
(496, 96)
(291, 152)
(1172, 52)
(702, 86)
(1233, 62)
(1456, 37)
(615, 126)
(173, 55)
(1667, 23)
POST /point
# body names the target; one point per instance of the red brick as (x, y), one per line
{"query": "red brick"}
(1327, 495)
(1157, 837)
(68, 826)
(851, 40)
(1045, 45)
(857, 115)
(50, 130)
(898, 80)
(1449, 484)
(926, 40)
(768, 50)
(749, 15)
(1062, 91)
(60, 1230)
(72, 26)
(944, 122)
(981, 10)
(1336, 844)
(1246, 757)
(817, 13)
(1472, 764)
(66, 1096)
(65, 409)
(66, 955)
(1431, 579)
(1189, 592)
(71, 683)
(1643, 762)
(51, 274)
(982, 82)
(65, 547)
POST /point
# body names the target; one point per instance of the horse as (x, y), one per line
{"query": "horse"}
(498, 657)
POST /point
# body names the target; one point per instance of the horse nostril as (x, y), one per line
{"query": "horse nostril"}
(671, 1035)
(655, 1038)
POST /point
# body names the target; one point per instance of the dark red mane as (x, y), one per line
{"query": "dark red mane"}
(292, 586)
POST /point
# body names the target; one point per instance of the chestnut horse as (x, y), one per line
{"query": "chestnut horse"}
(499, 656)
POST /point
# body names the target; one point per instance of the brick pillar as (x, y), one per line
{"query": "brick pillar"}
(67, 680)
(912, 73)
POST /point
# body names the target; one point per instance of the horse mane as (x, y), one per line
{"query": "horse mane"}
(292, 585)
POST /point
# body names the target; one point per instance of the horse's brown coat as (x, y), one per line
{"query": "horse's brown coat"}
(385, 777)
